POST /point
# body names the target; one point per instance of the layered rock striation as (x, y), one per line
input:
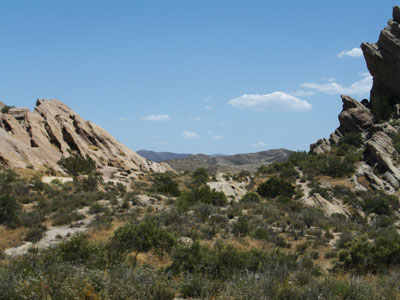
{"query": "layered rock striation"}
(41, 137)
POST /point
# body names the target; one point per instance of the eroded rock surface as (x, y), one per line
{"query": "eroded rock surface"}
(40, 138)
(383, 60)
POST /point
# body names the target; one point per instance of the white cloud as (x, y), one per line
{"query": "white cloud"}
(196, 118)
(122, 119)
(259, 145)
(277, 101)
(190, 135)
(355, 52)
(216, 137)
(206, 99)
(360, 87)
(156, 118)
(209, 107)
(164, 143)
(302, 93)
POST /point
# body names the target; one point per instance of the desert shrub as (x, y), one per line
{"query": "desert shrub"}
(9, 207)
(381, 108)
(78, 249)
(6, 109)
(65, 216)
(285, 170)
(163, 183)
(35, 234)
(241, 228)
(362, 256)
(311, 215)
(381, 204)
(353, 139)
(203, 211)
(251, 197)
(199, 177)
(201, 194)
(90, 184)
(396, 141)
(338, 167)
(142, 237)
(275, 187)
(102, 222)
(224, 261)
(77, 164)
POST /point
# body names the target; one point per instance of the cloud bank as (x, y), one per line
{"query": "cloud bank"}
(190, 135)
(355, 52)
(360, 87)
(277, 101)
(159, 118)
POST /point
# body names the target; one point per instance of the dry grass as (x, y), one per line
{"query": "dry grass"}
(335, 181)
(11, 237)
(102, 236)
(152, 259)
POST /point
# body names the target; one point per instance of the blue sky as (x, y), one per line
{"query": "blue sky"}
(192, 76)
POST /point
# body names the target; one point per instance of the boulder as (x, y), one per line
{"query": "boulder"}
(18, 112)
(321, 146)
(355, 117)
(2, 105)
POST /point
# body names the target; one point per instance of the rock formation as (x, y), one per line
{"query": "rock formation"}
(383, 60)
(40, 138)
(380, 164)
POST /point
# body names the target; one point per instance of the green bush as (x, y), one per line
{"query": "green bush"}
(163, 183)
(353, 139)
(201, 194)
(381, 108)
(9, 210)
(251, 197)
(361, 256)
(199, 177)
(275, 187)
(142, 237)
(77, 164)
(381, 204)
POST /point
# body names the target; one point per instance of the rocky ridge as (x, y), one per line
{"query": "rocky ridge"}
(41, 137)
(380, 164)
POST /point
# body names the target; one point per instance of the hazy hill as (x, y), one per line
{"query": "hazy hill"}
(161, 156)
(230, 163)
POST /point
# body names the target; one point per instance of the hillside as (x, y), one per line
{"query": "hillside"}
(161, 156)
(230, 163)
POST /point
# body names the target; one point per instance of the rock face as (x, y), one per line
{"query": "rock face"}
(40, 138)
(383, 60)
(380, 164)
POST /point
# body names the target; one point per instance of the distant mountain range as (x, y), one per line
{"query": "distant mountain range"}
(218, 163)
(161, 156)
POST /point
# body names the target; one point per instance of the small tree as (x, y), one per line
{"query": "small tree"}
(163, 183)
(275, 187)
(77, 164)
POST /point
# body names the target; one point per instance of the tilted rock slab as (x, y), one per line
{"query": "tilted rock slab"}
(383, 59)
(40, 138)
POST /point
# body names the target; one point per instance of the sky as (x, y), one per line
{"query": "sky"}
(186, 76)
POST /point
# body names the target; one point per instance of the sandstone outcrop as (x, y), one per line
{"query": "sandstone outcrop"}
(40, 138)
(383, 60)
(380, 164)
